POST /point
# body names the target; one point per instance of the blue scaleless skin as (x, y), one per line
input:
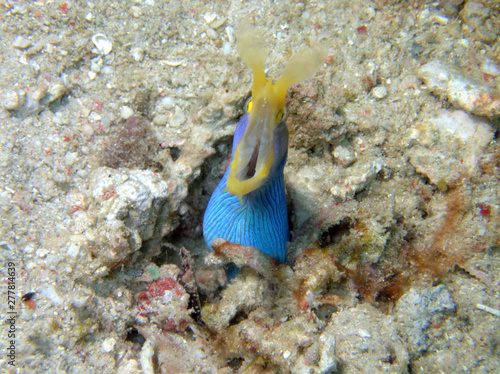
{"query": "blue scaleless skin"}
(260, 219)
(248, 207)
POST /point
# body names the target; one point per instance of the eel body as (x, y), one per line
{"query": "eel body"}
(260, 219)
(248, 207)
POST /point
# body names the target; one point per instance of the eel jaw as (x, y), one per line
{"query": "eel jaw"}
(254, 156)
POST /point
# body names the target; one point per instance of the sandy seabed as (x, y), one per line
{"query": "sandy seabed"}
(116, 124)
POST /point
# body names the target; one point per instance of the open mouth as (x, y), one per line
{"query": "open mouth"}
(254, 155)
(252, 163)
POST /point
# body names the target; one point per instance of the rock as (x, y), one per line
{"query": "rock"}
(364, 340)
(165, 303)
(434, 165)
(474, 131)
(165, 352)
(128, 208)
(461, 92)
(356, 178)
(322, 353)
(417, 309)
(480, 18)
(135, 197)
(306, 183)
(450, 144)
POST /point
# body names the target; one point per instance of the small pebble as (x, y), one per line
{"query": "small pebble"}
(212, 34)
(73, 249)
(379, 92)
(126, 112)
(71, 158)
(364, 334)
(19, 9)
(441, 20)
(167, 102)
(137, 54)
(11, 100)
(209, 17)
(344, 155)
(29, 248)
(219, 21)
(42, 252)
(160, 120)
(442, 185)
(23, 60)
(57, 91)
(108, 345)
(39, 93)
(37, 47)
(53, 39)
(135, 11)
(490, 67)
(167, 297)
(21, 42)
(87, 130)
(226, 48)
(230, 34)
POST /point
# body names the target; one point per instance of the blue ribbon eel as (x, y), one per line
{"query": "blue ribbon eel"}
(248, 207)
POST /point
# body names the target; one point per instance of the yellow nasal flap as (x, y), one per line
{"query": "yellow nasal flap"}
(255, 150)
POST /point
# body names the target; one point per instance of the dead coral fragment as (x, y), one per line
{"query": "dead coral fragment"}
(226, 252)
(461, 92)
(176, 354)
(166, 303)
(244, 295)
(127, 208)
(312, 271)
(280, 344)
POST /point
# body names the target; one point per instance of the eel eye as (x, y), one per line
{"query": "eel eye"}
(248, 105)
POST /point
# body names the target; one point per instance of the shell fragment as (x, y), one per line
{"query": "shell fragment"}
(102, 43)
